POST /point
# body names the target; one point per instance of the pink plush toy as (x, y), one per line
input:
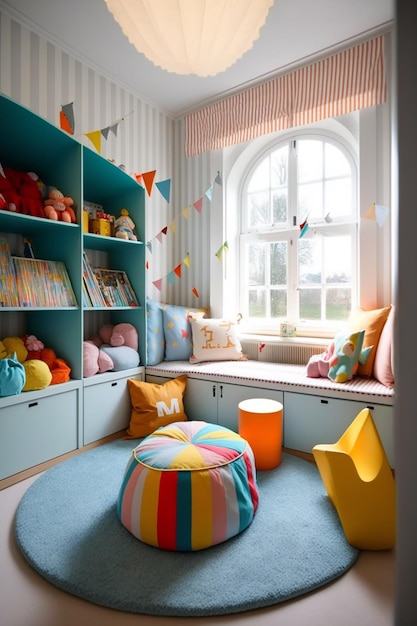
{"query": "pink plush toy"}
(118, 335)
(95, 361)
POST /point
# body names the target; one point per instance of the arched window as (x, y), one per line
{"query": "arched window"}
(298, 233)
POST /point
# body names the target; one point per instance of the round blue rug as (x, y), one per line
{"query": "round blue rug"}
(68, 530)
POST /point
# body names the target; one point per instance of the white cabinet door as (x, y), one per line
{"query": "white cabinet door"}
(311, 420)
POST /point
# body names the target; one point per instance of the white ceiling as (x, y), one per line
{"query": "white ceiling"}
(294, 30)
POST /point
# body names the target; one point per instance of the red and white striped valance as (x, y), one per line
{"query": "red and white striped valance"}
(347, 81)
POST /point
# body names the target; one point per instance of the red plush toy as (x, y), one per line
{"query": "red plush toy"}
(20, 192)
(28, 192)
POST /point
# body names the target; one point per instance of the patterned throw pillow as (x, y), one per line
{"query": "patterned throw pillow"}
(155, 405)
(215, 340)
(155, 333)
(372, 322)
(177, 331)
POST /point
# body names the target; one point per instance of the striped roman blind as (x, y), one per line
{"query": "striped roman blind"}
(347, 81)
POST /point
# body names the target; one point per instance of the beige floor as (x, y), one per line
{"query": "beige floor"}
(364, 596)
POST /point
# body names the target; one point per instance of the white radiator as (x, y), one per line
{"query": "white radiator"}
(281, 352)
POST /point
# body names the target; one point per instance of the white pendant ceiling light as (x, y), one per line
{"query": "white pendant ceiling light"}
(202, 37)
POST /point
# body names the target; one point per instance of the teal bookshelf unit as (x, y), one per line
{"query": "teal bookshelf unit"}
(39, 426)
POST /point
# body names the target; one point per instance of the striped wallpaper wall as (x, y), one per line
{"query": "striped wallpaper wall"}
(42, 77)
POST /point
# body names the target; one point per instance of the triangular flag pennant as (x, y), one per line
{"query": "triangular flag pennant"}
(303, 228)
(159, 237)
(164, 230)
(219, 254)
(157, 283)
(226, 246)
(185, 212)
(171, 278)
(209, 193)
(113, 129)
(177, 270)
(149, 246)
(173, 227)
(195, 292)
(198, 204)
(66, 118)
(139, 179)
(381, 214)
(164, 187)
(218, 179)
(186, 260)
(147, 265)
(105, 132)
(370, 214)
(148, 178)
(95, 138)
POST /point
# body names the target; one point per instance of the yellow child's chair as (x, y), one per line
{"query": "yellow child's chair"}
(360, 484)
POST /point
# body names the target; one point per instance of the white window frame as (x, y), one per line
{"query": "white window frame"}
(290, 231)
(369, 132)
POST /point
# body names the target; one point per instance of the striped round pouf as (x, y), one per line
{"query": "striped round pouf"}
(189, 486)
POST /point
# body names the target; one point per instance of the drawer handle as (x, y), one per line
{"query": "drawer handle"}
(114, 384)
(31, 404)
(324, 401)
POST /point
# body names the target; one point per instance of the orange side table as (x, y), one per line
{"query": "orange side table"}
(260, 423)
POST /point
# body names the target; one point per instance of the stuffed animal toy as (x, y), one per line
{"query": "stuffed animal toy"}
(95, 361)
(12, 376)
(59, 207)
(27, 198)
(9, 198)
(38, 375)
(119, 343)
(124, 226)
(341, 360)
(118, 335)
(16, 345)
(347, 355)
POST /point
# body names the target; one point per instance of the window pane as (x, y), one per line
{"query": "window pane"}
(309, 261)
(278, 258)
(278, 303)
(256, 263)
(310, 201)
(337, 259)
(280, 206)
(336, 164)
(310, 304)
(338, 304)
(338, 197)
(258, 208)
(309, 160)
(279, 167)
(260, 178)
(257, 303)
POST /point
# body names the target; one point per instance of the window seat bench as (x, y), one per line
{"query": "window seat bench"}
(316, 410)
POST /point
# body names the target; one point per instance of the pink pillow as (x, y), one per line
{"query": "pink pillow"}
(383, 364)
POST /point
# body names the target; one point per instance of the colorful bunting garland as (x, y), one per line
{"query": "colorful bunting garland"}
(66, 118)
(176, 272)
(95, 135)
(377, 213)
(197, 205)
(223, 248)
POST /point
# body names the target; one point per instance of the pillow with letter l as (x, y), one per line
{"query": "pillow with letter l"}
(155, 405)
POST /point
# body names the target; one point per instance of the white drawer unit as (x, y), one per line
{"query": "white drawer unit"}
(36, 429)
(107, 406)
(310, 420)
